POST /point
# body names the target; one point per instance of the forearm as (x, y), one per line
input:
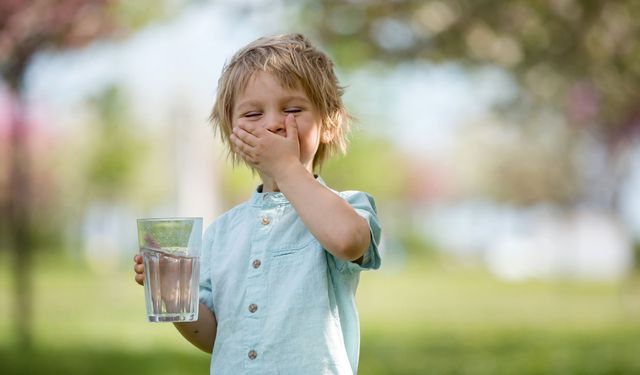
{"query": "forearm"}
(201, 333)
(336, 225)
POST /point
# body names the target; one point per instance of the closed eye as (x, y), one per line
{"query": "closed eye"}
(292, 110)
(252, 114)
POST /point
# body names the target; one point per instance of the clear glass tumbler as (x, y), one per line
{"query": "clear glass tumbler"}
(170, 248)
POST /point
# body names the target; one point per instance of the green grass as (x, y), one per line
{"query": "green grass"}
(432, 318)
(101, 360)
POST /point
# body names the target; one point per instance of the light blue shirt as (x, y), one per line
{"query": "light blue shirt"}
(284, 305)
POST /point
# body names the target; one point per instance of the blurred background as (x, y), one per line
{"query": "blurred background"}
(500, 139)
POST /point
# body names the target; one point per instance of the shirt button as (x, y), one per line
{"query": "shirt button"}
(265, 220)
(256, 263)
(253, 308)
(252, 354)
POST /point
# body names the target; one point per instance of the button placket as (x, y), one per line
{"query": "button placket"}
(256, 284)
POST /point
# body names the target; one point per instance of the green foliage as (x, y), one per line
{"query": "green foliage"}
(372, 164)
(238, 183)
(415, 244)
(352, 53)
(137, 14)
(112, 160)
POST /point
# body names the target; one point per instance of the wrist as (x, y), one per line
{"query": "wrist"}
(287, 176)
(286, 170)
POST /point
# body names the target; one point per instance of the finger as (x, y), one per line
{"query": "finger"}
(291, 126)
(137, 258)
(239, 144)
(245, 136)
(246, 157)
(247, 154)
(246, 127)
(139, 279)
(249, 158)
(139, 268)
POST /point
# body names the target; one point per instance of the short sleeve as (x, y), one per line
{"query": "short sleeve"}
(205, 291)
(365, 206)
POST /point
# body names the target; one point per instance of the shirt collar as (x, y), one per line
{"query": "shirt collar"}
(271, 198)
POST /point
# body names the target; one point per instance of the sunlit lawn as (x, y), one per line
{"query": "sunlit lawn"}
(432, 318)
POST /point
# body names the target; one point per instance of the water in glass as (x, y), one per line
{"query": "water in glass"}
(171, 280)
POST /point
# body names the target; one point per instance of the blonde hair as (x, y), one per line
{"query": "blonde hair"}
(296, 63)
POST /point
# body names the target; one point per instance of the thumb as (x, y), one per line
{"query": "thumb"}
(291, 126)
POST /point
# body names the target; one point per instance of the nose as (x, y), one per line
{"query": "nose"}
(275, 123)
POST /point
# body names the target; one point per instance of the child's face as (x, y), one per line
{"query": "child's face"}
(266, 103)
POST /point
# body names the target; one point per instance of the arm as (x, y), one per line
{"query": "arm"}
(336, 225)
(202, 332)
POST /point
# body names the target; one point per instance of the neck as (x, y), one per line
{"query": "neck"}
(269, 185)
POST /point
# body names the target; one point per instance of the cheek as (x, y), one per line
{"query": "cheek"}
(310, 140)
(243, 124)
(238, 121)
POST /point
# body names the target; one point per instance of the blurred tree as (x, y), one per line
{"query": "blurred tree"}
(579, 58)
(110, 169)
(521, 166)
(27, 28)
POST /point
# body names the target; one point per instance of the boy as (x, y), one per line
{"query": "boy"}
(280, 271)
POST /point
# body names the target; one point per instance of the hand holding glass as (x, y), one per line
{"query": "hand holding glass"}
(170, 248)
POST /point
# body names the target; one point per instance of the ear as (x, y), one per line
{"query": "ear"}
(327, 136)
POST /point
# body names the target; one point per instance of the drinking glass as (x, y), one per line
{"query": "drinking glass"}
(170, 248)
